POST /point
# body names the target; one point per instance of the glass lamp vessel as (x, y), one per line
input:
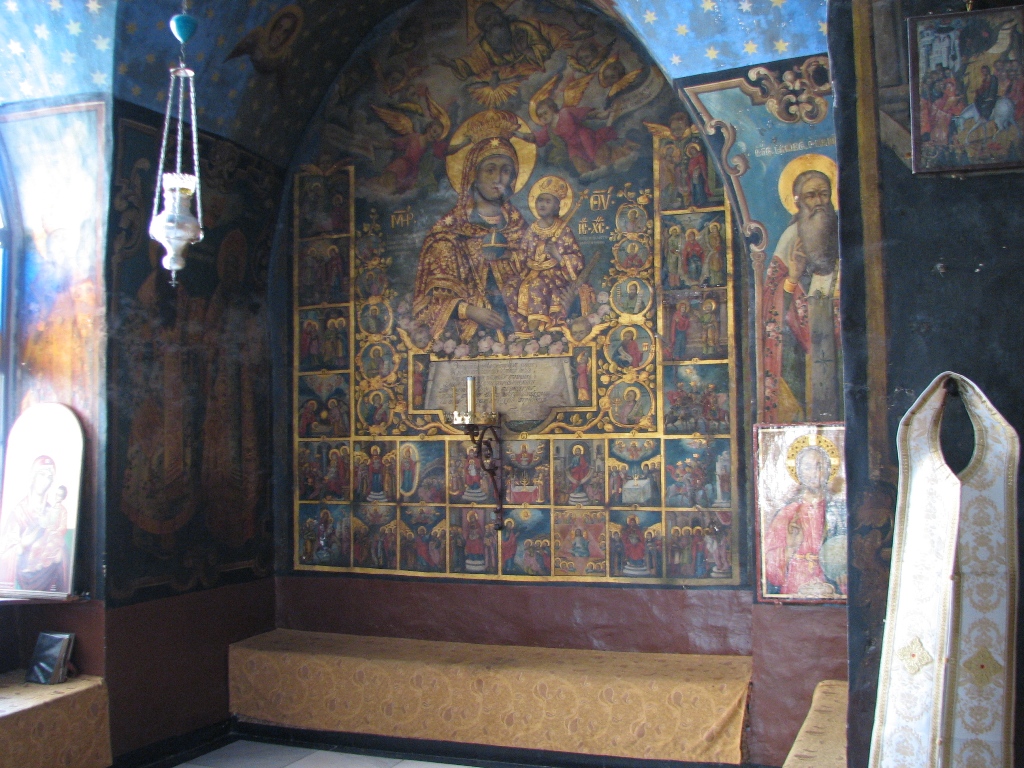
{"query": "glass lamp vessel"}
(176, 226)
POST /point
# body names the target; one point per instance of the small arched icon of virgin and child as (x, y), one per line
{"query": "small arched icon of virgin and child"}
(481, 266)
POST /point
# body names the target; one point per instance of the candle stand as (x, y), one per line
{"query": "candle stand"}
(484, 431)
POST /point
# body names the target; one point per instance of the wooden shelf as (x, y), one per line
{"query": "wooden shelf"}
(44, 600)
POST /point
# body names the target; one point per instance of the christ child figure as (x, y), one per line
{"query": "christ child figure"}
(553, 259)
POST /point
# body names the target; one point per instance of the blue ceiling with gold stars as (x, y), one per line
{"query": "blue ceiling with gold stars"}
(53, 48)
(692, 37)
(263, 67)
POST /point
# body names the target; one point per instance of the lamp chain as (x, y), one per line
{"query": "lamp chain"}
(195, 155)
(163, 146)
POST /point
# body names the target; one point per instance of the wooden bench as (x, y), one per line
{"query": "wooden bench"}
(631, 705)
(43, 726)
(821, 742)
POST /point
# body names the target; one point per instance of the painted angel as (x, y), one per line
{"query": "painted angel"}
(565, 126)
(269, 47)
(394, 79)
(412, 146)
(589, 56)
(627, 91)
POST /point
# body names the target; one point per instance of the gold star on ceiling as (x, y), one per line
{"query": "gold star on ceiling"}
(650, 17)
(683, 30)
(750, 47)
(781, 46)
(823, 26)
(708, 5)
(711, 53)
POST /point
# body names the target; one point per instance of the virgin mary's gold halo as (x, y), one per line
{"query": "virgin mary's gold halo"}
(478, 127)
(812, 441)
(809, 162)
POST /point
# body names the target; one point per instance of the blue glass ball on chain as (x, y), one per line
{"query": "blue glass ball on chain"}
(183, 27)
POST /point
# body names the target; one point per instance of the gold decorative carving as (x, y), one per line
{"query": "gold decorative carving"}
(798, 95)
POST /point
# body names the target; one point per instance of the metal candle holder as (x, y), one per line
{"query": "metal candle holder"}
(484, 431)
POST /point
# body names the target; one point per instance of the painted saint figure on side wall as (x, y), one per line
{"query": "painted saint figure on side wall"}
(802, 352)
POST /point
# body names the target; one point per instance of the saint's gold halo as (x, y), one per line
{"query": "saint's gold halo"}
(525, 150)
(809, 162)
(563, 205)
(812, 441)
(634, 388)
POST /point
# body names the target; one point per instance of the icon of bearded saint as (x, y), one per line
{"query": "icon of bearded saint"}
(802, 353)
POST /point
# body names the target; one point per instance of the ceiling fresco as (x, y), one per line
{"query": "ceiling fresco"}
(262, 68)
(52, 48)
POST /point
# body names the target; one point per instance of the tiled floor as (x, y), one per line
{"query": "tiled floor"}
(255, 754)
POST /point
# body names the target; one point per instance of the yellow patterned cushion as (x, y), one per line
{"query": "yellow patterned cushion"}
(43, 726)
(821, 742)
(640, 705)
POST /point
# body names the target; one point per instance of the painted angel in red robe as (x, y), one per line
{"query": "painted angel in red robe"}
(411, 146)
(586, 146)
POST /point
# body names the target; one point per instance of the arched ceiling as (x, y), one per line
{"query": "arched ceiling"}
(262, 68)
(263, 96)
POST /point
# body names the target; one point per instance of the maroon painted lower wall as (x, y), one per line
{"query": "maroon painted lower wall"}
(167, 660)
(21, 623)
(619, 619)
(793, 647)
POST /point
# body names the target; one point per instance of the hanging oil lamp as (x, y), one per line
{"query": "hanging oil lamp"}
(176, 227)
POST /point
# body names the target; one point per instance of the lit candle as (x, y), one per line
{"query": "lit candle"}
(471, 394)
(492, 399)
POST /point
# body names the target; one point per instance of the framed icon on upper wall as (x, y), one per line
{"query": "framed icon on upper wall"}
(800, 513)
(967, 90)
